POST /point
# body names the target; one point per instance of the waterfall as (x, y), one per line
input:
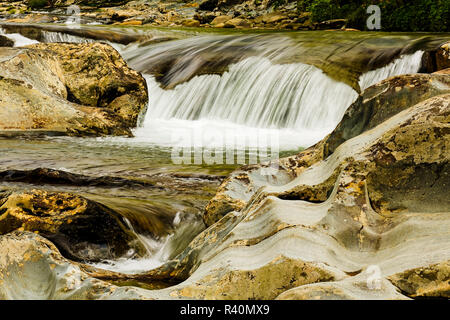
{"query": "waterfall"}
(255, 93)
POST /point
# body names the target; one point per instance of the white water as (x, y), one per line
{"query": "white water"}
(158, 251)
(404, 65)
(296, 103)
(19, 40)
(50, 36)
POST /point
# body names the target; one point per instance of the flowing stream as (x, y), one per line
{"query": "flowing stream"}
(213, 90)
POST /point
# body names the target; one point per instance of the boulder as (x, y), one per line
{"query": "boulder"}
(31, 268)
(425, 282)
(220, 19)
(75, 89)
(359, 287)
(82, 229)
(273, 17)
(191, 23)
(237, 23)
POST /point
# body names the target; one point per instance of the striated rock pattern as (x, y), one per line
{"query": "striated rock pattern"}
(370, 221)
(375, 105)
(75, 89)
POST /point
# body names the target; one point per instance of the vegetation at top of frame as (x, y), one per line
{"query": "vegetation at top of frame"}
(39, 4)
(396, 15)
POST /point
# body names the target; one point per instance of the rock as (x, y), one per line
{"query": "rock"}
(131, 23)
(443, 57)
(75, 89)
(219, 25)
(273, 17)
(383, 100)
(191, 23)
(332, 24)
(428, 281)
(205, 18)
(31, 267)
(220, 19)
(445, 71)
(353, 288)
(82, 229)
(237, 23)
(6, 42)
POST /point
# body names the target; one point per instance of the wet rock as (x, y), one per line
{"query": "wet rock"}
(82, 229)
(75, 89)
(360, 287)
(31, 267)
(6, 42)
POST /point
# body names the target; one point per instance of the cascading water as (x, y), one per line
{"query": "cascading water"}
(19, 40)
(253, 96)
(404, 65)
(50, 36)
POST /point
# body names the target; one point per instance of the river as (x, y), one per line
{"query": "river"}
(217, 91)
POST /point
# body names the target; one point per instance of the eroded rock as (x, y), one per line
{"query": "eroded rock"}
(31, 267)
(82, 229)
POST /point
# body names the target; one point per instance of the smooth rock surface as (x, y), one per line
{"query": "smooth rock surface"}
(31, 268)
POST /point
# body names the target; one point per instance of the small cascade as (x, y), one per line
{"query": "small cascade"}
(403, 65)
(19, 40)
(256, 93)
(50, 36)
(159, 251)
